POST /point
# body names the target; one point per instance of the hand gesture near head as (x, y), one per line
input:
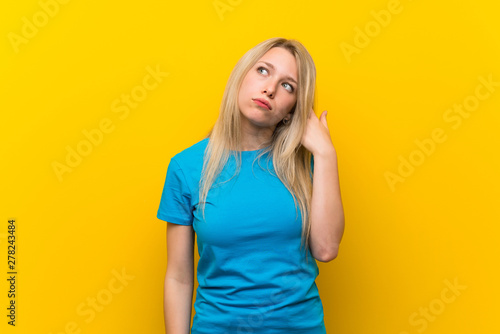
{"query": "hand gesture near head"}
(316, 137)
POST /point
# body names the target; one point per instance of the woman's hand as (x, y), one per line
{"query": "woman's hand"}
(316, 137)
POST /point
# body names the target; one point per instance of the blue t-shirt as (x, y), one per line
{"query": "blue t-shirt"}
(252, 274)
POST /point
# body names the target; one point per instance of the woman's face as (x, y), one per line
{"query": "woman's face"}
(273, 78)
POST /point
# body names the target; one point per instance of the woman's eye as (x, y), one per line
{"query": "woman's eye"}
(291, 87)
(258, 69)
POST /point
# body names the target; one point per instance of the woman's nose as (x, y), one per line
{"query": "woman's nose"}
(270, 86)
(269, 91)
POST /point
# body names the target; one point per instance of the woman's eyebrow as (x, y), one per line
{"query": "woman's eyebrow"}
(272, 66)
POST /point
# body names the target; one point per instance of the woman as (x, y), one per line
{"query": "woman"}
(243, 190)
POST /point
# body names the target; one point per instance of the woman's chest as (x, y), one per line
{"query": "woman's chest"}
(253, 206)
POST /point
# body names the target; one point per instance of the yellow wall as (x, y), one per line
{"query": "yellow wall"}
(393, 87)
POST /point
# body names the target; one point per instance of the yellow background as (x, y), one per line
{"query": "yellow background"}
(401, 244)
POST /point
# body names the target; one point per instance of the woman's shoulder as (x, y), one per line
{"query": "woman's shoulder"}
(192, 154)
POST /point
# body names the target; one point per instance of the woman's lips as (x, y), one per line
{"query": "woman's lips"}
(262, 104)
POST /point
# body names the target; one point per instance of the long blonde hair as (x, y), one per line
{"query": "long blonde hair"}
(291, 160)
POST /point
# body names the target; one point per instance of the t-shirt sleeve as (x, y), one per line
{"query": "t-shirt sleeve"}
(175, 203)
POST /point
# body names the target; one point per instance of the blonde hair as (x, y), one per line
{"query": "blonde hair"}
(291, 160)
